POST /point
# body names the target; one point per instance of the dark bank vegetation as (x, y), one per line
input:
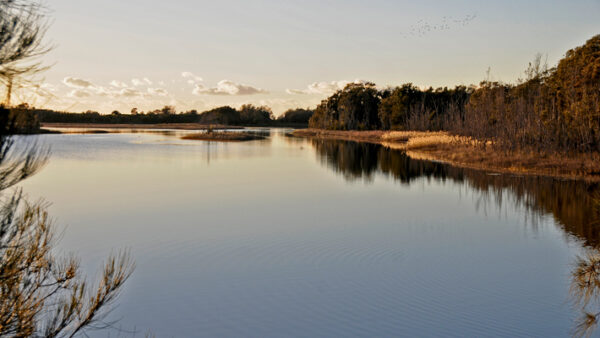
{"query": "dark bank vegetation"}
(21, 121)
(246, 115)
(364, 107)
(297, 116)
(550, 110)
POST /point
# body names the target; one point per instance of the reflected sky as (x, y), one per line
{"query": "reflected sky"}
(297, 237)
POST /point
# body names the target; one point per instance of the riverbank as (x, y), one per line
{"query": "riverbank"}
(468, 153)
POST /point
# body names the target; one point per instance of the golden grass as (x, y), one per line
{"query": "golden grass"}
(470, 153)
(349, 135)
(404, 136)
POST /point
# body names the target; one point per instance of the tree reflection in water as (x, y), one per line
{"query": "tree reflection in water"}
(575, 205)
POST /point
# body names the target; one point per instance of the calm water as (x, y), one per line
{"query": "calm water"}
(294, 237)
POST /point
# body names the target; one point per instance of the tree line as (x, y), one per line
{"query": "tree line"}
(361, 106)
(551, 109)
(247, 115)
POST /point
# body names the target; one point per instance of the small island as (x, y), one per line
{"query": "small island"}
(224, 136)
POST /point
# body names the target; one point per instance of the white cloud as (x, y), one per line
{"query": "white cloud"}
(118, 84)
(226, 87)
(323, 87)
(191, 78)
(79, 93)
(158, 91)
(87, 88)
(141, 82)
(103, 91)
(74, 82)
(129, 92)
(138, 82)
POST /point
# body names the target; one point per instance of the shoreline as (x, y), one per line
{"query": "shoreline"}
(466, 153)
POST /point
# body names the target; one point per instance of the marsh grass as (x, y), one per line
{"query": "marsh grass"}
(224, 136)
(473, 153)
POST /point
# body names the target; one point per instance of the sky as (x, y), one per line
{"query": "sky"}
(194, 54)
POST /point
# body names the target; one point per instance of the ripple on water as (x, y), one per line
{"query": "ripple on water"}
(331, 286)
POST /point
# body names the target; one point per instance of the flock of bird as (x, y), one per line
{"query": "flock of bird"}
(422, 27)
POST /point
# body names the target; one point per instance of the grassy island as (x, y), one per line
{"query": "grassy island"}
(224, 136)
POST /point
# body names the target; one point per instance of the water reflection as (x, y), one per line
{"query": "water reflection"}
(267, 241)
(573, 204)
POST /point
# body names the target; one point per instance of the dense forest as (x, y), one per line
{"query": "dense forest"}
(28, 118)
(550, 109)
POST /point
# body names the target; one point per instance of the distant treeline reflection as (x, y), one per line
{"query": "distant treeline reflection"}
(572, 203)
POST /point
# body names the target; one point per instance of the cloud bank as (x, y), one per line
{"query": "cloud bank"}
(323, 87)
(143, 82)
(85, 88)
(118, 84)
(191, 78)
(158, 91)
(226, 87)
(74, 82)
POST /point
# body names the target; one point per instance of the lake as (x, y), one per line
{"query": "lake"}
(298, 237)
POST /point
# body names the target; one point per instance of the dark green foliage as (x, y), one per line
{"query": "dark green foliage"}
(297, 115)
(352, 108)
(164, 115)
(394, 109)
(363, 107)
(221, 115)
(25, 121)
(408, 107)
(19, 120)
(253, 115)
(247, 115)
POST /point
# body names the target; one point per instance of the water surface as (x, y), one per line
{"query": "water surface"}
(297, 237)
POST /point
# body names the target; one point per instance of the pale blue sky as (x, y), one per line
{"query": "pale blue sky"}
(274, 46)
